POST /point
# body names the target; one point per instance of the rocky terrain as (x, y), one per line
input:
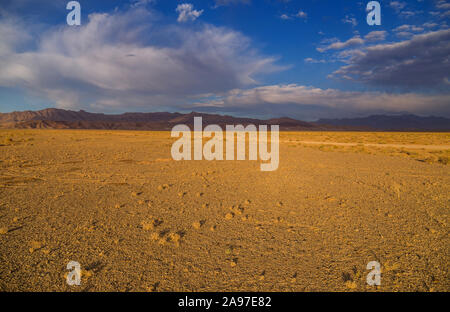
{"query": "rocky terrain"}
(136, 220)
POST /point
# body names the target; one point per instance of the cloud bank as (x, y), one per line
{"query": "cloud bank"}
(106, 63)
(421, 62)
(293, 100)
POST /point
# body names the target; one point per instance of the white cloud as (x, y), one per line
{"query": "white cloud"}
(397, 5)
(301, 14)
(430, 25)
(12, 37)
(443, 5)
(409, 28)
(408, 14)
(377, 35)
(138, 3)
(404, 34)
(342, 45)
(313, 61)
(108, 62)
(350, 20)
(186, 12)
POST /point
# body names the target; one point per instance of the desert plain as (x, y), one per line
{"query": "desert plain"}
(136, 220)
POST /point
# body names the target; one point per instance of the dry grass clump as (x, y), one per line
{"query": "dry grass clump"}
(443, 160)
(8, 137)
(7, 140)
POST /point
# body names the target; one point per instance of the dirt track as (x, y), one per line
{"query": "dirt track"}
(138, 221)
(409, 146)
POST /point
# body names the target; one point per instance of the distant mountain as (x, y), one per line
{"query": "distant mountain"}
(55, 114)
(393, 123)
(53, 118)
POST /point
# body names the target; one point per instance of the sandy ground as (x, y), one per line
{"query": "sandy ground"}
(138, 221)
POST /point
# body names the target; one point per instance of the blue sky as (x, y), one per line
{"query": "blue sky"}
(267, 58)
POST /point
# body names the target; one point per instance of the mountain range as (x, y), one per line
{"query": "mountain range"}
(406, 122)
(53, 118)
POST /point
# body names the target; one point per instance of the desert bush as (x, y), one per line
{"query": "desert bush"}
(443, 160)
(7, 141)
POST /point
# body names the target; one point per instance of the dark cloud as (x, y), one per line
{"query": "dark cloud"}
(423, 61)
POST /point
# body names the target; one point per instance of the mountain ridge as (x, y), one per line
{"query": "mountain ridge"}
(56, 118)
(403, 122)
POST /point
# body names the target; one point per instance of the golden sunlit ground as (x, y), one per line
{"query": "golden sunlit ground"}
(136, 220)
